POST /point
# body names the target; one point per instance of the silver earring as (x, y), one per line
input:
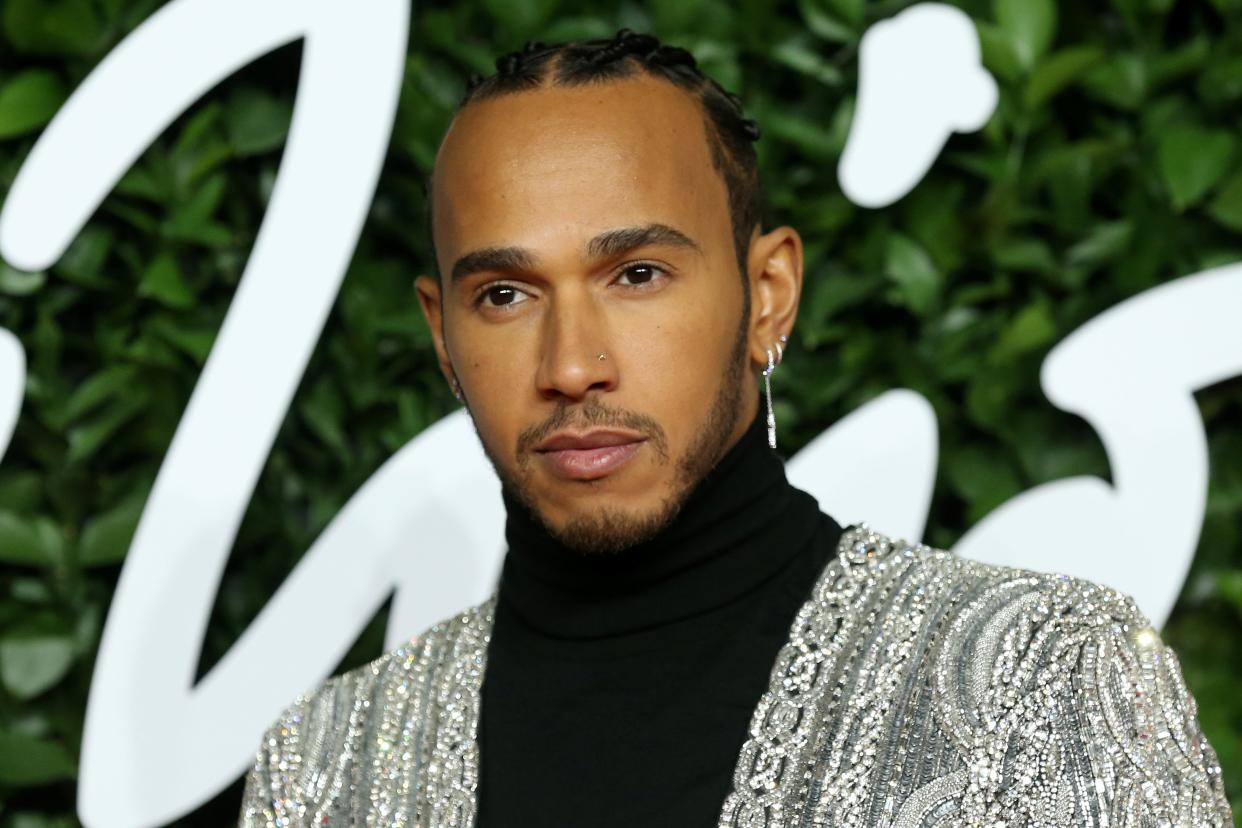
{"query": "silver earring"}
(767, 387)
(456, 388)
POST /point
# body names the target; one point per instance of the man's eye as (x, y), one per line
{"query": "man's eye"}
(641, 274)
(501, 296)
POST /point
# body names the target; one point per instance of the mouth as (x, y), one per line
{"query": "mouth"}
(590, 455)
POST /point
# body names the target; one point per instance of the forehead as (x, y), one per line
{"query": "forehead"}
(557, 163)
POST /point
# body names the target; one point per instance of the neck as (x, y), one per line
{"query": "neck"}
(739, 526)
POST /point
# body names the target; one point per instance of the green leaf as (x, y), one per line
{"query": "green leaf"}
(984, 478)
(839, 126)
(1057, 71)
(829, 294)
(29, 101)
(86, 629)
(1225, 466)
(1229, 585)
(1104, 243)
(1192, 159)
(21, 490)
(111, 382)
(257, 122)
(824, 25)
(1029, 26)
(851, 11)
(54, 27)
(990, 397)
(29, 760)
(106, 537)
(31, 591)
(162, 281)
(323, 412)
(1031, 329)
(1227, 206)
(30, 664)
(1221, 80)
(678, 15)
(521, 18)
(84, 260)
(141, 182)
(16, 282)
(192, 221)
(1186, 59)
(1122, 81)
(1025, 255)
(563, 27)
(20, 542)
(997, 53)
(87, 439)
(805, 134)
(801, 58)
(198, 132)
(917, 281)
(190, 338)
(201, 147)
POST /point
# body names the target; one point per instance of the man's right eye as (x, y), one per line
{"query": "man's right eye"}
(501, 296)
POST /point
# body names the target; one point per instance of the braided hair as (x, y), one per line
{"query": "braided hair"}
(731, 134)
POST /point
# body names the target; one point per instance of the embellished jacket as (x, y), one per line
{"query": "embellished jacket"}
(916, 688)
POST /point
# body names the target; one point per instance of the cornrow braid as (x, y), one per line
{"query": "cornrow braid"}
(731, 135)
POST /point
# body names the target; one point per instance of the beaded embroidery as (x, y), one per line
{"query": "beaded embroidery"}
(916, 689)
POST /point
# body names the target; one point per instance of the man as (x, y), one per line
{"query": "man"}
(680, 637)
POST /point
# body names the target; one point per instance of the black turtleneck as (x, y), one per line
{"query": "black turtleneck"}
(618, 689)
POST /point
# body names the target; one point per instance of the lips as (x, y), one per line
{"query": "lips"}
(588, 456)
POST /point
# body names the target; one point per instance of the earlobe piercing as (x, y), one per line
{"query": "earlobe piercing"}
(456, 386)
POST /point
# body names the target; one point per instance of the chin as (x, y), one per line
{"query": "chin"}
(570, 501)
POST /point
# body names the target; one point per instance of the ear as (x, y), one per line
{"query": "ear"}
(775, 269)
(429, 298)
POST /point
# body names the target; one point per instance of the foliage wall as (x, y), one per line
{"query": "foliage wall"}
(1111, 165)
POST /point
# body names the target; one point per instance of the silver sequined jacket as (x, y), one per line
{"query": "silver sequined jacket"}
(916, 688)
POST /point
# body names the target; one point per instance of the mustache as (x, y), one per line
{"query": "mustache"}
(592, 413)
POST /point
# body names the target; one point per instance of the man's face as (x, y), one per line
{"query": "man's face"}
(591, 305)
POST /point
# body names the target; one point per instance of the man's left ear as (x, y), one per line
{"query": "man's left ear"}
(775, 267)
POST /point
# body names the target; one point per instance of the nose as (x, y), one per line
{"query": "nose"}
(574, 338)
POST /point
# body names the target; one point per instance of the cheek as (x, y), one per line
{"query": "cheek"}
(497, 374)
(678, 359)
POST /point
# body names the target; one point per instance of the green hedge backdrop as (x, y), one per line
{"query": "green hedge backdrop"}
(1111, 165)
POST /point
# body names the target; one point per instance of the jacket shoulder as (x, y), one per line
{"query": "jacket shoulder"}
(1065, 702)
(329, 737)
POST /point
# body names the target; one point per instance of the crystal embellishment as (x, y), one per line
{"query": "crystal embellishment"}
(915, 689)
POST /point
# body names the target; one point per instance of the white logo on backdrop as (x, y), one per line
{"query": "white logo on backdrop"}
(155, 746)
(920, 79)
(429, 523)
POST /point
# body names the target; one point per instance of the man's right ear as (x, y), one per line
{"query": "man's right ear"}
(429, 299)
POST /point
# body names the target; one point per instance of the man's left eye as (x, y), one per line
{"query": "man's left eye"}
(641, 274)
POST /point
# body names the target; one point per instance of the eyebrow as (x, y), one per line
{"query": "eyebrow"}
(606, 245)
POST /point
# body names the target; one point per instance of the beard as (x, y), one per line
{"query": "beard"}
(608, 530)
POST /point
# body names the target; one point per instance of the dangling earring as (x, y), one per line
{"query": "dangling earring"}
(767, 387)
(456, 388)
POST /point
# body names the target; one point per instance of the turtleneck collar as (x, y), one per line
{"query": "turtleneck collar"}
(740, 526)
